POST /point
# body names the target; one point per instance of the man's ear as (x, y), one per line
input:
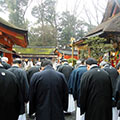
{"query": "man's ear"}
(42, 68)
(88, 67)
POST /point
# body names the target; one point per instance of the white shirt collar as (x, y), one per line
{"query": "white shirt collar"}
(94, 65)
(16, 65)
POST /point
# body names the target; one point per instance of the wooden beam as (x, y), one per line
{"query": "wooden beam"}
(17, 36)
(5, 42)
(0, 33)
(20, 43)
(115, 9)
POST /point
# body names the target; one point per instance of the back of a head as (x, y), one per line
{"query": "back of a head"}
(46, 62)
(82, 61)
(17, 61)
(91, 61)
(103, 63)
(64, 61)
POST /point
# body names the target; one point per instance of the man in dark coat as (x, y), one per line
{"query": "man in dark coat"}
(9, 95)
(96, 93)
(66, 69)
(74, 84)
(31, 71)
(75, 77)
(48, 93)
(22, 80)
(118, 88)
(113, 73)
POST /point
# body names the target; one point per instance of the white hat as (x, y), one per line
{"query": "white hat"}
(5, 59)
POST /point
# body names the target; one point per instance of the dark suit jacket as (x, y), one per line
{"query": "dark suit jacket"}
(9, 96)
(96, 95)
(48, 95)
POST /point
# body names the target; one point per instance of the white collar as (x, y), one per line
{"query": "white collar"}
(1, 65)
(16, 65)
(94, 65)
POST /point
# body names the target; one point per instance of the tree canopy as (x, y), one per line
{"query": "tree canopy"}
(98, 46)
(51, 28)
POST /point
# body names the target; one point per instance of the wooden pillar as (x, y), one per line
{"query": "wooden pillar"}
(78, 53)
(72, 55)
(89, 52)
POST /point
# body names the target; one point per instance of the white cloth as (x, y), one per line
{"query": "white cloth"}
(78, 116)
(114, 113)
(28, 108)
(71, 104)
(22, 117)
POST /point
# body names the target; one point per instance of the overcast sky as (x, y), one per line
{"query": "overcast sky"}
(78, 6)
(95, 8)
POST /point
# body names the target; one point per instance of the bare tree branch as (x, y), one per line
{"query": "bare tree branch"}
(76, 6)
(27, 7)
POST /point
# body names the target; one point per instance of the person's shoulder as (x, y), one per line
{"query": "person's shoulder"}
(37, 75)
(59, 73)
(81, 68)
(7, 72)
(17, 69)
(89, 72)
(75, 70)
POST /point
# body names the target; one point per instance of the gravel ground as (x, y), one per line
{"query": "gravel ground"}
(67, 117)
(70, 117)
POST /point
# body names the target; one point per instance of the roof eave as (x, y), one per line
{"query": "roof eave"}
(95, 34)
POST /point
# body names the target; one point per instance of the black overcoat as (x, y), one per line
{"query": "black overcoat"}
(31, 71)
(6, 65)
(96, 95)
(9, 96)
(48, 95)
(74, 80)
(66, 69)
(23, 84)
(113, 73)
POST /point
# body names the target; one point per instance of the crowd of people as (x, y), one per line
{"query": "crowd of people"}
(47, 91)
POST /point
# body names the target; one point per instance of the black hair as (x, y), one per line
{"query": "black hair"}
(91, 61)
(17, 61)
(82, 61)
(46, 62)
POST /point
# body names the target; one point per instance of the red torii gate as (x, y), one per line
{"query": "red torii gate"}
(11, 35)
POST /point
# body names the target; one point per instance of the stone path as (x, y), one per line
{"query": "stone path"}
(70, 117)
(67, 117)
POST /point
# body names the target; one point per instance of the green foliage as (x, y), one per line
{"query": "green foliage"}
(45, 34)
(45, 12)
(35, 50)
(16, 9)
(70, 61)
(69, 27)
(98, 46)
(83, 54)
(42, 38)
(51, 28)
